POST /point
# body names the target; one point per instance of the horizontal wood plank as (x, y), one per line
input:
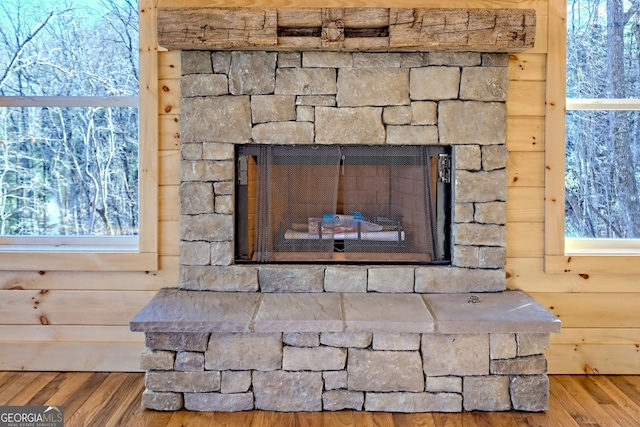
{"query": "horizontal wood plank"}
(587, 265)
(107, 308)
(66, 333)
(71, 356)
(525, 204)
(527, 67)
(170, 238)
(169, 64)
(526, 98)
(169, 209)
(525, 240)
(525, 169)
(593, 359)
(169, 166)
(45, 261)
(169, 132)
(597, 336)
(525, 133)
(169, 96)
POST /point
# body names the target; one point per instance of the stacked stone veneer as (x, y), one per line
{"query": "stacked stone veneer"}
(331, 337)
(439, 98)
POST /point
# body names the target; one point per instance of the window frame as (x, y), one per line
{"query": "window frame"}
(556, 256)
(88, 253)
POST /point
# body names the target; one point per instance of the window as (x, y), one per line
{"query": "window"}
(77, 140)
(599, 113)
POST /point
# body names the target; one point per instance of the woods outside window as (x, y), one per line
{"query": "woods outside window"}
(77, 135)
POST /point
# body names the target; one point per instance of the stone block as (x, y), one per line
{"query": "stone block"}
(306, 81)
(530, 344)
(480, 186)
(157, 360)
(377, 60)
(455, 354)
(345, 279)
(495, 59)
(444, 384)
(301, 339)
(195, 253)
(162, 401)
(299, 312)
(221, 62)
(176, 341)
(472, 122)
(434, 83)
(206, 170)
(484, 83)
(412, 135)
(373, 312)
(398, 115)
(273, 108)
(327, 59)
(316, 100)
(219, 278)
(241, 352)
(424, 113)
(191, 151)
(530, 392)
(334, 380)
(313, 359)
(502, 346)
(283, 133)
(217, 151)
(204, 85)
(196, 198)
(396, 341)
(390, 279)
(291, 279)
(288, 391)
(467, 157)
(491, 213)
(189, 361)
(235, 382)
(465, 256)
(455, 59)
(218, 402)
(494, 157)
(337, 400)
(525, 365)
(493, 257)
(479, 234)
(346, 339)
(414, 59)
(289, 59)
(221, 253)
(384, 371)
(463, 212)
(362, 87)
(216, 119)
(305, 113)
(223, 205)
(195, 62)
(220, 188)
(252, 73)
(363, 125)
(454, 280)
(486, 393)
(413, 402)
(193, 382)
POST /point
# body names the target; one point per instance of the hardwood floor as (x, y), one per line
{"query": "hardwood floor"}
(113, 399)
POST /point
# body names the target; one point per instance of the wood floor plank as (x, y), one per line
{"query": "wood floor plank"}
(571, 405)
(448, 420)
(413, 420)
(24, 397)
(49, 390)
(75, 390)
(557, 410)
(571, 384)
(16, 386)
(630, 405)
(96, 402)
(129, 389)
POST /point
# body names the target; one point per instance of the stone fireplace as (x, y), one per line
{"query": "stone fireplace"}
(407, 335)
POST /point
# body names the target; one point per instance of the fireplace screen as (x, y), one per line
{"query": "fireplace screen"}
(332, 203)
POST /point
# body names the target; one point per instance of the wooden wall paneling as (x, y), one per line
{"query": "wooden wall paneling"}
(593, 310)
(169, 203)
(525, 133)
(623, 265)
(526, 98)
(528, 275)
(524, 239)
(169, 96)
(56, 307)
(527, 66)
(525, 204)
(170, 238)
(75, 356)
(593, 359)
(169, 64)
(541, 34)
(525, 169)
(169, 132)
(96, 333)
(169, 167)
(599, 336)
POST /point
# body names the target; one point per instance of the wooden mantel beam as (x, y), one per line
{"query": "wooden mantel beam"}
(347, 29)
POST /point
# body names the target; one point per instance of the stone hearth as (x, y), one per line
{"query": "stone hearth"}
(400, 338)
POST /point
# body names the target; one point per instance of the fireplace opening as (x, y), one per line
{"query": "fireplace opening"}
(343, 203)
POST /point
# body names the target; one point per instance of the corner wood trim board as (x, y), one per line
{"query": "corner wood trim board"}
(347, 29)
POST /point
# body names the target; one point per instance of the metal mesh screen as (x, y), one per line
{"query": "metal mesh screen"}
(349, 203)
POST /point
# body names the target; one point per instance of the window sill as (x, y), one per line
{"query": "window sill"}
(77, 260)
